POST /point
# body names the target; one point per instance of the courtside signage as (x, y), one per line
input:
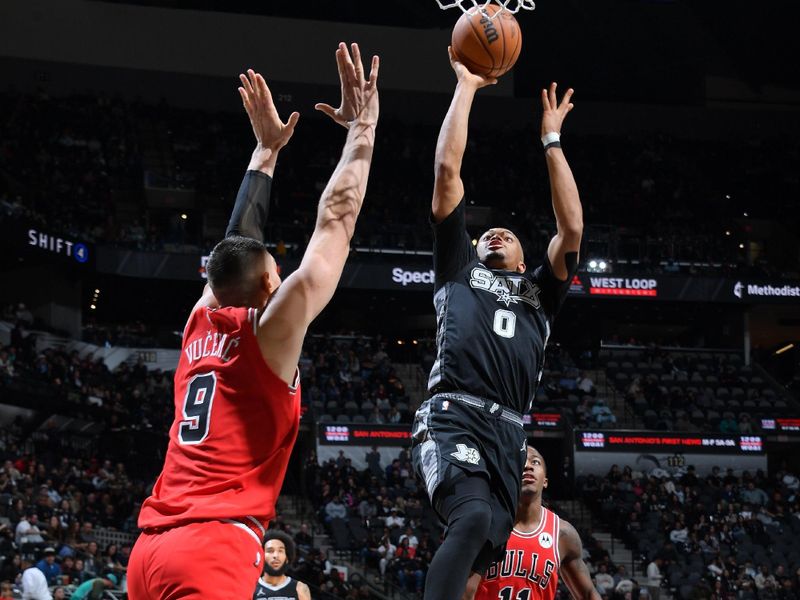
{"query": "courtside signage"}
(623, 286)
(753, 290)
(686, 443)
(58, 245)
(666, 454)
(782, 425)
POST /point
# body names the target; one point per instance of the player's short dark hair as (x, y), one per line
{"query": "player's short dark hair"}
(288, 542)
(231, 261)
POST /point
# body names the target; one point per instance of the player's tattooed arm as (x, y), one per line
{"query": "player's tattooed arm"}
(563, 189)
(303, 593)
(304, 293)
(573, 570)
(448, 189)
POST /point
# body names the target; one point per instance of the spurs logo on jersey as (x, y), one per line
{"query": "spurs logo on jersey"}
(509, 289)
(529, 570)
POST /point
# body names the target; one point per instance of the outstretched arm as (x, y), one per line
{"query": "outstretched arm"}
(448, 189)
(573, 570)
(306, 291)
(250, 211)
(564, 190)
(249, 216)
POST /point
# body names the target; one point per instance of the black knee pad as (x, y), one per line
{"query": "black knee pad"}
(464, 504)
(472, 518)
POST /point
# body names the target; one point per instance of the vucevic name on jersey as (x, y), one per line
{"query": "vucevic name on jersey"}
(492, 325)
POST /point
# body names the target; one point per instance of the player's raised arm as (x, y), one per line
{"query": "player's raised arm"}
(306, 291)
(448, 189)
(251, 209)
(566, 202)
(573, 570)
(250, 213)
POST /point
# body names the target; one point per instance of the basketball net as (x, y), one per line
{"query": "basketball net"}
(470, 7)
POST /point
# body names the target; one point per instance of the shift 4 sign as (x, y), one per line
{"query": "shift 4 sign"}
(58, 245)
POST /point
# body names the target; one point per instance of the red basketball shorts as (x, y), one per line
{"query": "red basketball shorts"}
(196, 561)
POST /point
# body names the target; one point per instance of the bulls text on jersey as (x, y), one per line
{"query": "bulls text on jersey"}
(516, 564)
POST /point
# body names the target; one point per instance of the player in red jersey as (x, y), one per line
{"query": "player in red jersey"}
(237, 394)
(541, 547)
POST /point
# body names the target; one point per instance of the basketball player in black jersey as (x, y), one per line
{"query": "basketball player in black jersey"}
(494, 317)
(274, 583)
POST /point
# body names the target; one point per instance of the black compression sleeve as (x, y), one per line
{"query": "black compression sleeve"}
(249, 216)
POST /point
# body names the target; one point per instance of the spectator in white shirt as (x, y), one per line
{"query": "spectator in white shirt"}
(27, 531)
(603, 581)
(394, 520)
(413, 542)
(654, 572)
(34, 583)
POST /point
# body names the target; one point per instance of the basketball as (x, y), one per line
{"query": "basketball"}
(487, 47)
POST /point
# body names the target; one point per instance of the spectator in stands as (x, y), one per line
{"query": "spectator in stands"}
(394, 519)
(94, 589)
(373, 459)
(754, 495)
(679, 535)
(34, 583)
(728, 424)
(585, 385)
(303, 539)
(602, 414)
(413, 541)
(68, 573)
(654, 576)
(603, 581)
(386, 551)
(335, 509)
(92, 561)
(48, 566)
(765, 580)
(10, 567)
(407, 568)
(28, 531)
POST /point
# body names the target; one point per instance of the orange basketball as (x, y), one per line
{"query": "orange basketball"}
(487, 47)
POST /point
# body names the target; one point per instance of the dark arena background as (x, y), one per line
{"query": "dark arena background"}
(669, 408)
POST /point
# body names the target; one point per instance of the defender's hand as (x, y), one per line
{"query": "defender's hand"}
(359, 102)
(465, 76)
(271, 133)
(555, 113)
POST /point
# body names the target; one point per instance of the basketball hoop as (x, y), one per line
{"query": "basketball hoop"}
(470, 7)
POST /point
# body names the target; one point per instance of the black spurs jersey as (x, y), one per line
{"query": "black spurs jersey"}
(285, 591)
(492, 325)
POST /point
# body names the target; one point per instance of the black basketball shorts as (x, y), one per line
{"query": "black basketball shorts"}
(479, 437)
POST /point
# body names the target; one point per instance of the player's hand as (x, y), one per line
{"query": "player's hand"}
(465, 76)
(555, 113)
(271, 133)
(359, 95)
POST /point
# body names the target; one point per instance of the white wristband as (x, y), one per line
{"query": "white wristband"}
(549, 138)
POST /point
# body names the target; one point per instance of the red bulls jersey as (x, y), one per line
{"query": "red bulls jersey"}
(530, 568)
(235, 425)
